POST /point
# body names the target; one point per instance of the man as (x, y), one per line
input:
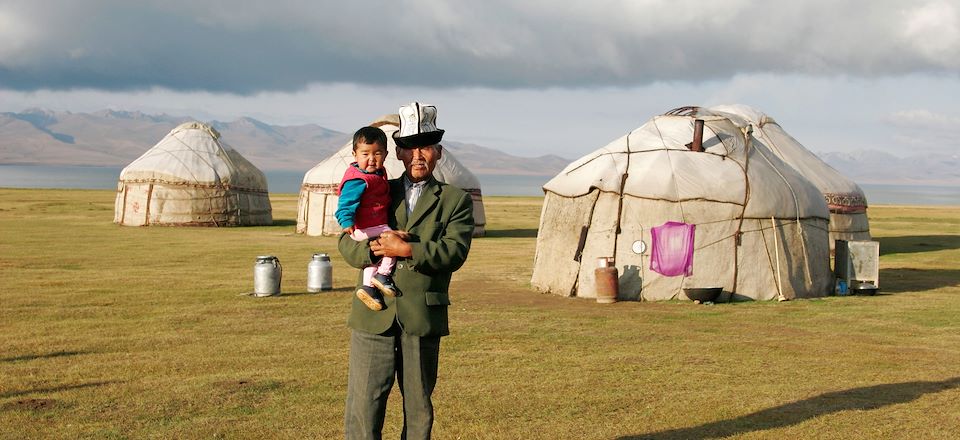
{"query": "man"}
(402, 341)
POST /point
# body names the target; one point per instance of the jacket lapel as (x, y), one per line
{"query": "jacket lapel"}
(429, 197)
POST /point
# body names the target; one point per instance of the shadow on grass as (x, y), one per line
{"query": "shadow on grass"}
(30, 357)
(338, 289)
(54, 389)
(511, 233)
(857, 399)
(917, 243)
(284, 222)
(917, 280)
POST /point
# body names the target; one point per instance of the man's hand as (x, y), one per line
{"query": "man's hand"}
(403, 235)
(349, 230)
(391, 244)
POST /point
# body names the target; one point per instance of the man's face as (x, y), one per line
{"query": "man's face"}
(420, 161)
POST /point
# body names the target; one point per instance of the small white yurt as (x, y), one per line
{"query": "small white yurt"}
(191, 178)
(845, 199)
(729, 214)
(318, 193)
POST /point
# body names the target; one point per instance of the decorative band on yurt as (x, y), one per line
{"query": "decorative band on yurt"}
(846, 203)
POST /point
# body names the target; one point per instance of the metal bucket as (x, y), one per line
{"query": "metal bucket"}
(319, 273)
(267, 273)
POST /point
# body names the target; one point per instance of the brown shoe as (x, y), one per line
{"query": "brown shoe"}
(371, 298)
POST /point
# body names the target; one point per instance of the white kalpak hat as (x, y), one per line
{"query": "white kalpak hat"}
(418, 126)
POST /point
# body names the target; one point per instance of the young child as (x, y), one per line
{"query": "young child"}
(362, 210)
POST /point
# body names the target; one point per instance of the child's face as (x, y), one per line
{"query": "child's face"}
(370, 157)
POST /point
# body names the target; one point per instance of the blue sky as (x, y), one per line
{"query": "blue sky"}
(528, 78)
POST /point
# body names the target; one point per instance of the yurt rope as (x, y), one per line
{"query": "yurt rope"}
(150, 187)
(776, 250)
(776, 227)
(623, 185)
(194, 176)
(738, 235)
(233, 166)
(303, 206)
(796, 204)
(800, 229)
(676, 186)
(578, 254)
(146, 213)
(194, 185)
(767, 250)
(123, 211)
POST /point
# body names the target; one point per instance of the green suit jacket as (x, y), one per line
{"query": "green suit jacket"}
(441, 229)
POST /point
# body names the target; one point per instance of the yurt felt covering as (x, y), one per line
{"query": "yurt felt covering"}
(761, 227)
(190, 178)
(845, 199)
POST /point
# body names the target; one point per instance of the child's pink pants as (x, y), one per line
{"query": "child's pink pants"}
(385, 267)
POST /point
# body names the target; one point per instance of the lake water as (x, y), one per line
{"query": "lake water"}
(42, 176)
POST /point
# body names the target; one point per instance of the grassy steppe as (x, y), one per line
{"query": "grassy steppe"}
(120, 332)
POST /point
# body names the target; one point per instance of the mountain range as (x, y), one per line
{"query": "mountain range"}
(879, 167)
(115, 138)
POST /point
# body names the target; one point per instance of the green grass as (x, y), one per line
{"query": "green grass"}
(120, 332)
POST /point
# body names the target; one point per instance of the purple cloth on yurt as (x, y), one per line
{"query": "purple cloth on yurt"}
(672, 252)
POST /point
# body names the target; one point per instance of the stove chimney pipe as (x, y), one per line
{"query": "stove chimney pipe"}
(697, 144)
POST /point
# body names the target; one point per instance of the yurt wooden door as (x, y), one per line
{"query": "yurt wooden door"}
(134, 204)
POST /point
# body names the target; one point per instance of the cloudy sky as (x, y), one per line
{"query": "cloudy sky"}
(526, 77)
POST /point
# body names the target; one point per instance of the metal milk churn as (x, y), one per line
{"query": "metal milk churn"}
(319, 273)
(266, 276)
(607, 278)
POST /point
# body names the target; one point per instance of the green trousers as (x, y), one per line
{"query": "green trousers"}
(375, 362)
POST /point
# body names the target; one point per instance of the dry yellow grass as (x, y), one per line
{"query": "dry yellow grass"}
(118, 332)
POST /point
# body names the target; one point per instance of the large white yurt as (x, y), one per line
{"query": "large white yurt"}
(845, 199)
(730, 215)
(191, 178)
(318, 193)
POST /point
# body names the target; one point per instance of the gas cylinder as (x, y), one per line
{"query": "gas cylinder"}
(319, 273)
(267, 273)
(607, 278)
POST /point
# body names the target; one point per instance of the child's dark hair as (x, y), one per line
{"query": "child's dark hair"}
(370, 135)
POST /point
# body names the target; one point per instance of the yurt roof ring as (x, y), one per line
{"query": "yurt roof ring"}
(689, 110)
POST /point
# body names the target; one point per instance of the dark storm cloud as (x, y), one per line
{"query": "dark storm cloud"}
(285, 45)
